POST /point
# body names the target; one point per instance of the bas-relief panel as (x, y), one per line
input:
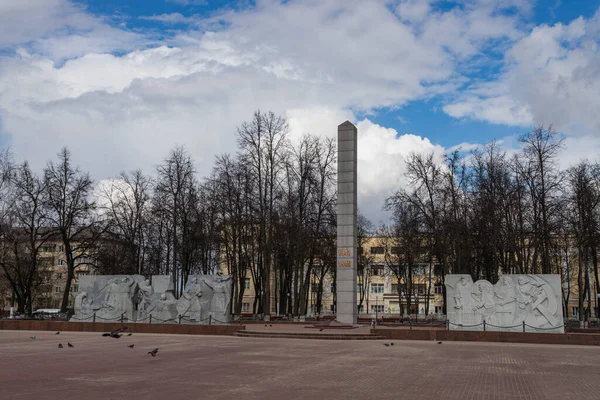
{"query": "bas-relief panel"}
(516, 299)
(205, 299)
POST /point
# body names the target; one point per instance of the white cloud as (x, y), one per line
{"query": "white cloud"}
(172, 18)
(552, 76)
(381, 165)
(189, 2)
(60, 29)
(125, 112)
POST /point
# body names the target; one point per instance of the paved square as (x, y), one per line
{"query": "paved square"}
(220, 367)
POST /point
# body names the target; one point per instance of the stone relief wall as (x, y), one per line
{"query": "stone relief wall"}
(205, 299)
(535, 300)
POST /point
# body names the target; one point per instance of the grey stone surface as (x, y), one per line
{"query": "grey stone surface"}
(107, 296)
(346, 187)
(346, 230)
(533, 300)
(205, 299)
(346, 156)
(345, 208)
(346, 165)
(345, 241)
(346, 219)
(345, 145)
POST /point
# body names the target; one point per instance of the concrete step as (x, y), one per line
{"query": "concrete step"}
(308, 335)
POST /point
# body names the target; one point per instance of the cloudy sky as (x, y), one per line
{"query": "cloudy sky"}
(121, 81)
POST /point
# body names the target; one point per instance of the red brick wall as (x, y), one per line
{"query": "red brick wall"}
(590, 339)
(111, 326)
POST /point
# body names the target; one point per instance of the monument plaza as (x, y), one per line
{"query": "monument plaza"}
(226, 367)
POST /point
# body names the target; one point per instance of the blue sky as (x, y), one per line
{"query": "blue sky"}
(131, 78)
(421, 117)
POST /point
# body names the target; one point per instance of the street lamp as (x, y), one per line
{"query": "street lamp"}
(416, 306)
(401, 306)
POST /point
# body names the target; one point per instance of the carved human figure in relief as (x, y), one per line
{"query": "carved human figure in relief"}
(145, 294)
(483, 294)
(505, 298)
(537, 303)
(222, 296)
(83, 305)
(189, 303)
(110, 292)
(462, 294)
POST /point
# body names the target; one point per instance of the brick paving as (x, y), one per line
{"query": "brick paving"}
(225, 367)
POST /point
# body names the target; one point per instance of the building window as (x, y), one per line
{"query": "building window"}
(377, 288)
(61, 262)
(59, 275)
(47, 248)
(438, 309)
(46, 262)
(359, 288)
(394, 288)
(57, 289)
(245, 307)
(377, 308)
(82, 273)
(420, 289)
(438, 289)
(314, 287)
(377, 270)
(395, 250)
(247, 284)
(377, 250)
(60, 248)
(74, 288)
(575, 311)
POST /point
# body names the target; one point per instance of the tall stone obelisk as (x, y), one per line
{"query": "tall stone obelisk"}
(346, 223)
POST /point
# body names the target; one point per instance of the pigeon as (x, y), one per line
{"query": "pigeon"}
(321, 329)
(69, 344)
(129, 334)
(440, 342)
(58, 332)
(392, 343)
(32, 337)
(60, 346)
(270, 325)
(153, 352)
(115, 335)
(265, 325)
(386, 345)
(131, 346)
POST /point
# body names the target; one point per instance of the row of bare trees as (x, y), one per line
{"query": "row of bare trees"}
(266, 212)
(489, 213)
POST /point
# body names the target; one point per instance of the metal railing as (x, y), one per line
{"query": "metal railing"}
(177, 320)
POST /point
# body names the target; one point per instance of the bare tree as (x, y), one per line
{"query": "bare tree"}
(263, 142)
(539, 170)
(364, 231)
(71, 214)
(127, 202)
(25, 235)
(175, 187)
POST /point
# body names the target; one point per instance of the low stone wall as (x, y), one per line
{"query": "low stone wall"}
(185, 329)
(506, 337)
